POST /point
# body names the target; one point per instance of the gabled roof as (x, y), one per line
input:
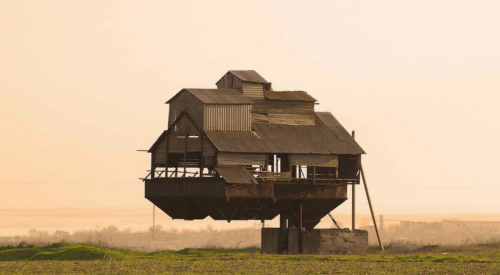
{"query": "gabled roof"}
(217, 96)
(326, 138)
(248, 76)
(289, 96)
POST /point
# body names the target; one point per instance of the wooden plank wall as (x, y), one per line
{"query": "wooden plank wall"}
(315, 160)
(285, 112)
(259, 118)
(253, 90)
(231, 159)
(291, 119)
(178, 105)
(177, 144)
(181, 125)
(235, 118)
(229, 81)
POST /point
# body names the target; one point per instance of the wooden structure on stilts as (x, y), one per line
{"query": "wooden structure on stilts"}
(243, 151)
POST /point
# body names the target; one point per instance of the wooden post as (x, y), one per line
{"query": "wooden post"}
(202, 160)
(300, 230)
(185, 145)
(283, 238)
(353, 186)
(371, 208)
(153, 166)
(166, 157)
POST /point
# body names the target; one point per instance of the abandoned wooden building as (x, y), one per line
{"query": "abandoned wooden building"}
(243, 151)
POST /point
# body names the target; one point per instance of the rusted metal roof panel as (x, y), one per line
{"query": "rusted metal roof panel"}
(217, 96)
(249, 76)
(237, 175)
(324, 139)
(289, 96)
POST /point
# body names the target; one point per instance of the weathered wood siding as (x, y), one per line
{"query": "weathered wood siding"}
(291, 119)
(284, 112)
(180, 128)
(281, 176)
(253, 90)
(259, 118)
(177, 144)
(229, 81)
(315, 160)
(235, 118)
(230, 159)
(179, 104)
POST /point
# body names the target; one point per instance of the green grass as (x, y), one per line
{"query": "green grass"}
(66, 258)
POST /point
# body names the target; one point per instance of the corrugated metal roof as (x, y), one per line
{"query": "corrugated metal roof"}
(249, 76)
(327, 138)
(289, 95)
(238, 175)
(217, 96)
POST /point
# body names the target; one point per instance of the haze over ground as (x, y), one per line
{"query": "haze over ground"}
(83, 85)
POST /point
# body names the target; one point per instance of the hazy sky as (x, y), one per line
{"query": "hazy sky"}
(83, 86)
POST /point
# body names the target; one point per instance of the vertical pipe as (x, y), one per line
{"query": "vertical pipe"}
(314, 174)
(353, 186)
(371, 209)
(300, 230)
(186, 142)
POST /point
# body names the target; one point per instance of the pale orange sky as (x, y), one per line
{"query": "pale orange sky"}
(83, 85)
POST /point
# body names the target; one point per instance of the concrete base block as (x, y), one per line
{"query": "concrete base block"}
(317, 241)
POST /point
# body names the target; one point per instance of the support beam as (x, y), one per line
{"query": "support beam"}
(202, 160)
(300, 229)
(166, 156)
(353, 186)
(371, 208)
(185, 145)
(283, 239)
(153, 166)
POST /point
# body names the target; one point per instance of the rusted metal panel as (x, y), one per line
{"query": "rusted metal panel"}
(289, 96)
(315, 160)
(231, 159)
(237, 175)
(227, 118)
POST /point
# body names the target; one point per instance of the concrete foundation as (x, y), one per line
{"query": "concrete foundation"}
(316, 241)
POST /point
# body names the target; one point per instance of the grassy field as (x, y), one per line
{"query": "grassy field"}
(65, 258)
